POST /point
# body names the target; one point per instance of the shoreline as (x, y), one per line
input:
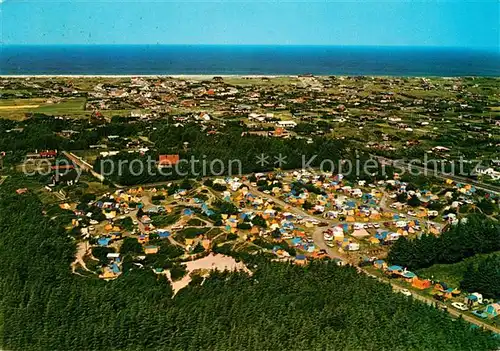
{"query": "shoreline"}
(211, 76)
(150, 75)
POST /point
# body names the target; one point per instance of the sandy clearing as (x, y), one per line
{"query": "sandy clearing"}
(211, 262)
(82, 250)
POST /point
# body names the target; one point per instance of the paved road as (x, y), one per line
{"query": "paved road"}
(332, 253)
(438, 174)
(83, 165)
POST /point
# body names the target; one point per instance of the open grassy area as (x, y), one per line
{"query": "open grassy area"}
(451, 273)
(17, 108)
(68, 106)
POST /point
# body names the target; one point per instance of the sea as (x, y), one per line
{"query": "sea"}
(246, 60)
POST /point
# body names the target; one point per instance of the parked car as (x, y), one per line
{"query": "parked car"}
(405, 292)
(459, 306)
(442, 307)
(376, 225)
(480, 314)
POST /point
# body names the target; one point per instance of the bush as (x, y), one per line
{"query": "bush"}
(131, 246)
(177, 272)
(244, 226)
(101, 252)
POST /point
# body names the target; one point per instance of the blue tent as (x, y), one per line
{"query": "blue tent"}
(395, 268)
(115, 268)
(187, 212)
(163, 234)
(409, 275)
(103, 241)
(381, 235)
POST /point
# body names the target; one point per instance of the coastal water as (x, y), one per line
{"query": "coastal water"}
(246, 60)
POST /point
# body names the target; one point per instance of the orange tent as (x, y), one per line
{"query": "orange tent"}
(421, 283)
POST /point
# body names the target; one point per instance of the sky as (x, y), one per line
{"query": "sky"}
(453, 23)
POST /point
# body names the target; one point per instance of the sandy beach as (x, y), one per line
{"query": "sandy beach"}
(180, 76)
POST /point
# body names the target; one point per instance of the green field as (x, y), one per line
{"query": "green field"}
(451, 273)
(17, 108)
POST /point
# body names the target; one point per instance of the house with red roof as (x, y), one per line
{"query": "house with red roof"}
(168, 160)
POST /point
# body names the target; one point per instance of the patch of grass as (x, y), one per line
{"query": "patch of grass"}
(17, 108)
(191, 233)
(65, 107)
(195, 222)
(452, 274)
(163, 220)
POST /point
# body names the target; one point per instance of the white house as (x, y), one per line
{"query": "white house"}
(286, 124)
(489, 172)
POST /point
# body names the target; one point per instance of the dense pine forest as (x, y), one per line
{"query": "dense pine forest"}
(317, 307)
(485, 278)
(477, 235)
(235, 154)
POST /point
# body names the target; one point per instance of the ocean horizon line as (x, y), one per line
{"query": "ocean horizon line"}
(246, 60)
(339, 46)
(202, 76)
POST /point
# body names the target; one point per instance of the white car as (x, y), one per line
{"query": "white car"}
(459, 306)
(405, 292)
